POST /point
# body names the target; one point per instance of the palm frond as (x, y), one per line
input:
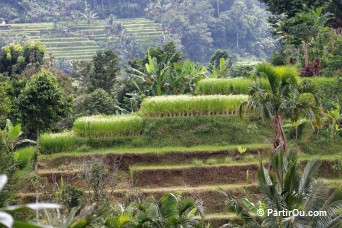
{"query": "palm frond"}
(267, 71)
(185, 204)
(310, 171)
(234, 206)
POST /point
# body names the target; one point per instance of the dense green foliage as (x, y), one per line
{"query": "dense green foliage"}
(5, 102)
(168, 120)
(23, 156)
(220, 24)
(290, 8)
(287, 97)
(106, 70)
(283, 187)
(171, 210)
(215, 59)
(162, 72)
(330, 90)
(42, 103)
(14, 57)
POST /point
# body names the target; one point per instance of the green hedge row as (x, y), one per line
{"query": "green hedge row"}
(226, 86)
(169, 132)
(187, 105)
(108, 126)
(23, 156)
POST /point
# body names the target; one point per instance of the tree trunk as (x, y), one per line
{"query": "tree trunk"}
(218, 8)
(306, 54)
(36, 174)
(279, 135)
(237, 35)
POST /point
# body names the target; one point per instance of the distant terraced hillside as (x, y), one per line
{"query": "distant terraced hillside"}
(71, 41)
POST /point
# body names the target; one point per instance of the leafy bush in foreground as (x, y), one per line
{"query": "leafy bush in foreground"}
(185, 105)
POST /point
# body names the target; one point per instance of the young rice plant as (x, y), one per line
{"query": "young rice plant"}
(187, 105)
(108, 126)
(226, 86)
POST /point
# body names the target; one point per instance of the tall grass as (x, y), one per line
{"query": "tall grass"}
(54, 143)
(226, 86)
(320, 80)
(23, 156)
(108, 126)
(186, 105)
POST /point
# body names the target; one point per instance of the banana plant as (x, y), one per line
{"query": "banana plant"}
(334, 115)
(155, 77)
(296, 124)
(12, 135)
(185, 76)
(223, 69)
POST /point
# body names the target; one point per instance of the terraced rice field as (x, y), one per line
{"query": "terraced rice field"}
(153, 172)
(81, 41)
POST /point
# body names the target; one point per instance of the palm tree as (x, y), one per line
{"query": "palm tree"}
(168, 212)
(304, 27)
(286, 97)
(89, 15)
(284, 189)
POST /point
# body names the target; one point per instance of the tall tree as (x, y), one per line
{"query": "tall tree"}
(14, 57)
(291, 7)
(106, 70)
(42, 103)
(286, 97)
(302, 28)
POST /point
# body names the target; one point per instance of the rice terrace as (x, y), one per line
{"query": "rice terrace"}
(187, 113)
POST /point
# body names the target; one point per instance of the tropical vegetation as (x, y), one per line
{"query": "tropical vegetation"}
(142, 113)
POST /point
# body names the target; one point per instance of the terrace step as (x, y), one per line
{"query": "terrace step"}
(220, 219)
(152, 177)
(60, 39)
(67, 42)
(87, 47)
(79, 52)
(165, 176)
(146, 156)
(143, 30)
(213, 200)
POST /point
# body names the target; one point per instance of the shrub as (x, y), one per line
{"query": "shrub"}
(54, 143)
(228, 159)
(330, 90)
(197, 162)
(185, 105)
(23, 156)
(226, 86)
(108, 126)
(211, 161)
(241, 70)
(96, 103)
(72, 196)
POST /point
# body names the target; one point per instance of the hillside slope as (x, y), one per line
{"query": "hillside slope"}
(80, 41)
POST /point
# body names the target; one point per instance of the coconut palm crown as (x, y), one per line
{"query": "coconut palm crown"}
(285, 188)
(285, 97)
